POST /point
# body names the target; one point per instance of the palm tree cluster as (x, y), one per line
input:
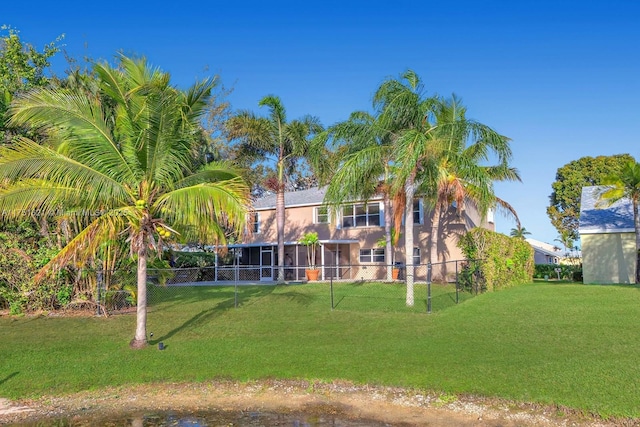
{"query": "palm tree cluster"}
(418, 145)
(121, 157)
(122, 160)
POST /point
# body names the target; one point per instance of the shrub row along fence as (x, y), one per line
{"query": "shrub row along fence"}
(348, 287)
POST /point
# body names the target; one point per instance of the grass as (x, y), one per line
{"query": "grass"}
(565, 344)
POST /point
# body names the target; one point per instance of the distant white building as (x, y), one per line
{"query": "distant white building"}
(546, 253)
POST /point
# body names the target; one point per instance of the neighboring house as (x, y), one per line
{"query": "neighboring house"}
(349, 240)
(545, 253)
(607, 237)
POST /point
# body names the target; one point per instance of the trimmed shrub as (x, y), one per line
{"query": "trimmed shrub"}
(505, 261)
(566, 271)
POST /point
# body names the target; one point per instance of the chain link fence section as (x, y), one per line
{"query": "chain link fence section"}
(435, 287)
(365, 287)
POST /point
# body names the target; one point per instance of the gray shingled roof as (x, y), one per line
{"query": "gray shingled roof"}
(598, 218)
(312, 196)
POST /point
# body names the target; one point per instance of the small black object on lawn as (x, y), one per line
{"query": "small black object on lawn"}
(160, 345)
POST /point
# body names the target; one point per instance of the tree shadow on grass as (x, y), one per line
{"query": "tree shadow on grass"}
(218, 309)
(8, 377)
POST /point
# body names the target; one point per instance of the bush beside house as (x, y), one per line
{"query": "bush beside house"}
(506, 261)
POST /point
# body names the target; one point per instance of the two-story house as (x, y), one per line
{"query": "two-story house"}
(349, 239)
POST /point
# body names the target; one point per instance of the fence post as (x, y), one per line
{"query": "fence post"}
(98, 289)
(331, 290)
(457, 297)
(429, 288)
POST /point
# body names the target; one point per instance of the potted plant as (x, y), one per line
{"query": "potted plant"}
(311, 241)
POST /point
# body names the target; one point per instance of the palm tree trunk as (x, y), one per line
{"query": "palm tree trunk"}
(140, 339)
(280, 217)
(387, 235)
(637, 226)
(409, 189)
(435, 228)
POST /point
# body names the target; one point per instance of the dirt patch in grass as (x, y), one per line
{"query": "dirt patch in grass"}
(395, 406)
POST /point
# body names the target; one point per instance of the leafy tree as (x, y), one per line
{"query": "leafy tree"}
(122, 162)
(519, 232)
(564, 201)
(287, 141)
(626, 184)
(22, 67)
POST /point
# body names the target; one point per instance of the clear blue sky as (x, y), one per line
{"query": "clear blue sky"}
(560, 78)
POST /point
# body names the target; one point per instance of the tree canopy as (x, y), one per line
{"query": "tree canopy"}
(564, 201)
(22, 67)
(124, 162)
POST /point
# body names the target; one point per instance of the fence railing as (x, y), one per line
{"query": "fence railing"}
(379, 283)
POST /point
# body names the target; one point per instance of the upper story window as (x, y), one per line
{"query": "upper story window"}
(254, 222)
(361, 215)
(418, 211)
(321, 215)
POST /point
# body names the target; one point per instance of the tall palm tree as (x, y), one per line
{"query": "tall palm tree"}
(406, 113)
(626, 184)
(122, 162)
(365, 168)
(287, 141)
(439, 153)
(519, 232)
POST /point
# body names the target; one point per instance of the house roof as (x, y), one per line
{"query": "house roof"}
(598, 218)
(545, 248)
(309, 197)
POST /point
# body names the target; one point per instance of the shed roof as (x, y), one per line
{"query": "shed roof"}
(598, 218)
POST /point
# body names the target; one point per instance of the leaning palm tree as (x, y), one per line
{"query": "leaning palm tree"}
(626, 184)
(123, 162)
(460, 172)
(287, 141)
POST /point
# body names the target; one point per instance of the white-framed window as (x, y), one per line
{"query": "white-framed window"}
(254, 222)
(416, 256)
(361, 215)
(321, 215)
(372, 255)
(418, 211)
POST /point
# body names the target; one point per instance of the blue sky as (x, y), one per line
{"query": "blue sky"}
(560, 78)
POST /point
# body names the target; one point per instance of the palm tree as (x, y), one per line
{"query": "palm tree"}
(519, 232)
(273, 135)
(122, 162)
(365, 164)
(567, 241)
(460, 173)
(626, 184)
(439, 153)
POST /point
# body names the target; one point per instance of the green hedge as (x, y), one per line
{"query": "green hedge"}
(192, 259)
(506, 261)
(567, 272)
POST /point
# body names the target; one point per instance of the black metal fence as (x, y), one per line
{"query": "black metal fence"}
(421, 288)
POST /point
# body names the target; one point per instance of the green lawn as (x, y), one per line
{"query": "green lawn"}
(567, 344)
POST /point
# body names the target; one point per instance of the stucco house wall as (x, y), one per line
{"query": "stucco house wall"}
(608, 258)
(341, 245)
(607, 236)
